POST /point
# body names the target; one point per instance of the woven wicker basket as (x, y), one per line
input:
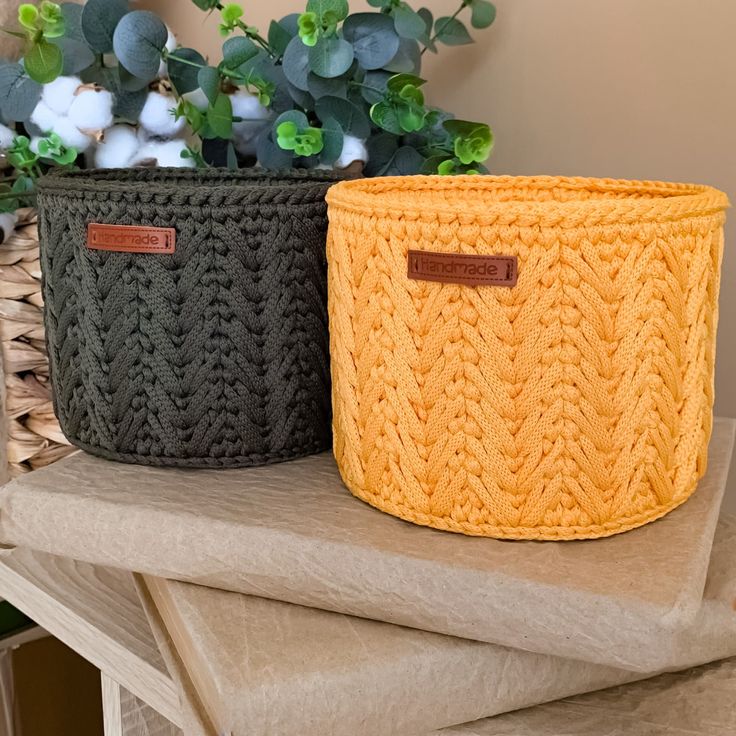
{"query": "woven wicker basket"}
(573, 403)
(213, 355)
(33, 438)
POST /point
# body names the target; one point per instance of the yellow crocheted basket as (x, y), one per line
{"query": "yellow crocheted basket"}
(573, 403)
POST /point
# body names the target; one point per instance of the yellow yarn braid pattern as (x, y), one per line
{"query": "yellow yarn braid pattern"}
(576, 404)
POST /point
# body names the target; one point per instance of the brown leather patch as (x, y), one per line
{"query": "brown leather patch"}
(459, 268)
(131, 238)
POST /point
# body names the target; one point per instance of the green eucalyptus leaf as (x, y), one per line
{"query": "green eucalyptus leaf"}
(408, 23)
(296, 63)
(483, 13)
(407, 59)
(99, 20)
(460, 127)
(278, 37)
(231, 156)
(426, 38)
(19, 94)
(333, 138)
(321, 86)
(237, 51)
(44, 61)
(297, 97)
(350, 117)
(72, 14)
(430, 164)
(291, 116)
(373, 88)
(374, 39)
(406, 162)
(451, 31)
(77, 54)
(330, 57)
(381, 149)
(385, 116)
(220, 116)
(208, 79)
(138, 41)
(128, 105)
(184, 76)
(129, 82)
(397, 82)
(337, 9)
(270, 156)
(290, 23)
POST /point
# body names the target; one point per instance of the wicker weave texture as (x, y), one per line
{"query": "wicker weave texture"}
(576, 404)
(34, 438)
(215, 355)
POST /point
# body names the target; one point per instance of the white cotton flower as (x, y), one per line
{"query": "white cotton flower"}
(92, 110)
(198, 98)
(33, 145)
(117, 148)
(157, 116)
(44, 118)
(255, 117)
(59, 94)
(163, 68)
(7, 225)
(71, 136)
(6, 137)
(166, 153)
(353, 149)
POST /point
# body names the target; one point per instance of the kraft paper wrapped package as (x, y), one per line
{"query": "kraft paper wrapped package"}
(523, 357)
(261, 667)
(694, 703)
(293, 533)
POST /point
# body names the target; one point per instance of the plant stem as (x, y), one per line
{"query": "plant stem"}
(255, 36)
(439, 31)
(367, 86)
(189, 62)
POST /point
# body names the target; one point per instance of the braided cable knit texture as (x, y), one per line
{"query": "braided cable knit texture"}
(213, 356)
(576, 404)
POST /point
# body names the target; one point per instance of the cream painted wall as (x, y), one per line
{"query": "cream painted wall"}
(632, 88)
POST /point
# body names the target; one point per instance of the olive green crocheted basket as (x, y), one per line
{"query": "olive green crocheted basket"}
(215, 354)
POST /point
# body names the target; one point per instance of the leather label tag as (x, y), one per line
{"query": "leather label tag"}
(131, 238)
(459, 268)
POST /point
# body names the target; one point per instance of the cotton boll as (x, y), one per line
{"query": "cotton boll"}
(7, 225)
(198, 98)
(117, 148)
(59, 94)
(167, 153)
(6, 137)
(92, 110)
(157, 116)
(353, 149)
(71, 136)
(44, 117)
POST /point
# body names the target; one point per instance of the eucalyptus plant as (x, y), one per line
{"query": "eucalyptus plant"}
(313, 90)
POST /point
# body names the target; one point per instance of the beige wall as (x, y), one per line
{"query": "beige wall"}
(624, 88)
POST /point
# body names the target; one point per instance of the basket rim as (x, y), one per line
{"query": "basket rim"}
(399, 197)
(183, 181)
